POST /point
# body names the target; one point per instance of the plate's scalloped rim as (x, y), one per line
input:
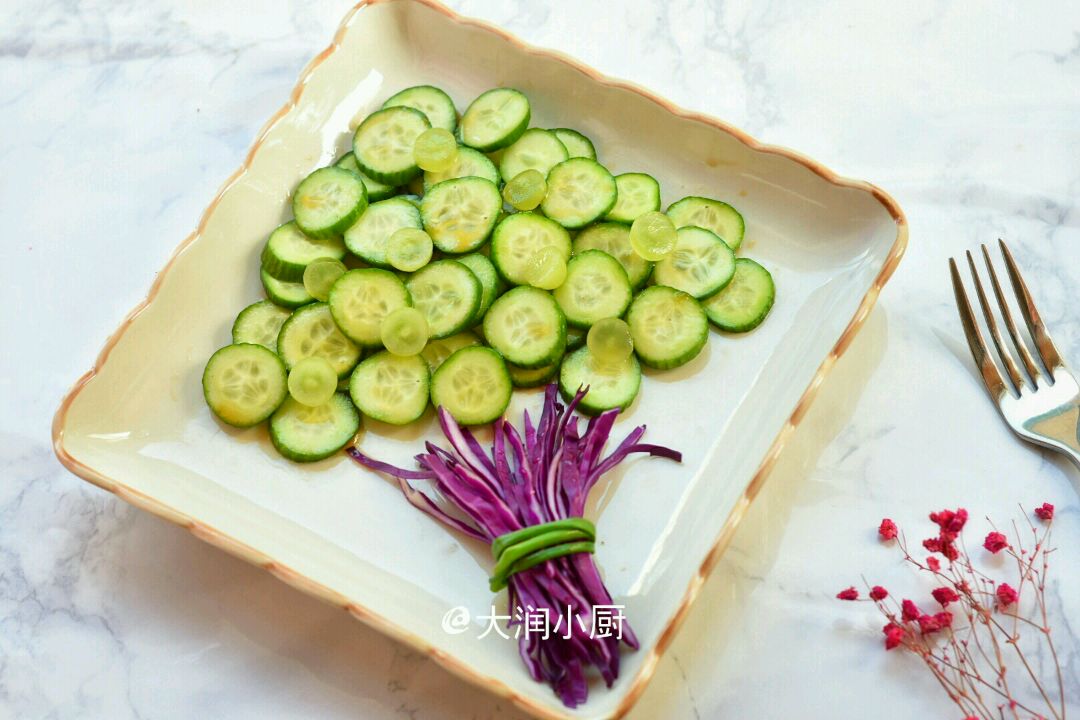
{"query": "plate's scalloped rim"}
(292, 577)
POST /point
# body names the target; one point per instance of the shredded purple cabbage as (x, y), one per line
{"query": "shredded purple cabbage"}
(542, 476)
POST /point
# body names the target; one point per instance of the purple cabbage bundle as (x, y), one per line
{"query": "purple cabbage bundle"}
(543, 476)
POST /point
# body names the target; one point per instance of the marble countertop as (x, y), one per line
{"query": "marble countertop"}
(118, 122)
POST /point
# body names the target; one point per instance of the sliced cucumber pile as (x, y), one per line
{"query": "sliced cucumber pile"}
(455, 297)
(701, 264)
(369, 236)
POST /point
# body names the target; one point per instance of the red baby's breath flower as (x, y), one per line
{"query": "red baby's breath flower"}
(929, 624)
(945, 595)
(850, 594)
(1045, 512)
(995, 542)
(950, 522)
(887, 530)
(1006, 594)
(957, 659)
(894, 635)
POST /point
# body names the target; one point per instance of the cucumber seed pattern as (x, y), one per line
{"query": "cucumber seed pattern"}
(244, 384)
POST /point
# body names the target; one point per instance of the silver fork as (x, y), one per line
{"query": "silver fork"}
(1039, 401)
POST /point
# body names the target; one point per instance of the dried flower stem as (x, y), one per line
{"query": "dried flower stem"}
(969, 661)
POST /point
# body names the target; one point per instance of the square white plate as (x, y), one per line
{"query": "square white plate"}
(136, 424)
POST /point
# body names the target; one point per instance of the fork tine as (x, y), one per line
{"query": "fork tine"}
(1033, 370)
(1047, 351)
(991, 324)
(987, 369)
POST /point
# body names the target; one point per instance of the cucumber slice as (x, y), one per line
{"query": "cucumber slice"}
(701, 264)
(469, 163)
(531, 377)
(244, 383)
(414, 200)
(638, 194)
(669, 327)
(579, 191)
(576, 144)
(575, 337)
(745, 302)
(719, 217)
(436, 351)
(327, 201)
(473, 385)
(495, 119)
(370, 234)
(375, 189)
(306, 434)
(608, 387)
(448, 294)
(536, 149)
(360, 299)
(288, 251)
(383, 144)
(518, 237)
(433, 102)
(596, 287)
(289, 295)
(460, 214)
(391, 388)
(614, 239)
(259, 323)
(527, 327)
(311, 332)
(491, 284)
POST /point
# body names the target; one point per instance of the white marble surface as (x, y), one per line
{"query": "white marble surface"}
(118, 121)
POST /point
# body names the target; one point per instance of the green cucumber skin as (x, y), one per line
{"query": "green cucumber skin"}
(238, 323)
(451, 126)
(289, 270)
(733, 243)
(731, 327)
(395, 178)
(590, 405)
(375, 190)
(613, 216)
(296, 298)
(373, 258)
(505, 140)
(352, 275)
(532, 377)
(476, 243)
(663, 274)
(448, 366)
(259, 419)
(342, 223)
(491, 284)
(674, 361)
(357, 391)
(282, 445)
(597, 213)
(475, 286)
(590, 149)
(616, 268)
(295, 318)
(556, 351)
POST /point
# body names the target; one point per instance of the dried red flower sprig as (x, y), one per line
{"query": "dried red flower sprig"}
(968, 650)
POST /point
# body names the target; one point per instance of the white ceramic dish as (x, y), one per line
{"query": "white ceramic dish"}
(136, 424)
